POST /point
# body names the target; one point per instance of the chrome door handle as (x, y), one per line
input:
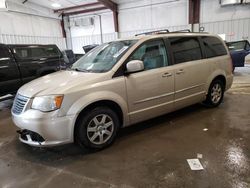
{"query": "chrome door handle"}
(180, 71)
(167, 74)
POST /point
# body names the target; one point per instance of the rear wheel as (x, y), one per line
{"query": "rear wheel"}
(97, 129)
(215, 94)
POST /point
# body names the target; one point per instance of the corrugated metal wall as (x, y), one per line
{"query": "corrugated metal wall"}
(233, 29)
(170, 28)
(22, 39)
(79, 42)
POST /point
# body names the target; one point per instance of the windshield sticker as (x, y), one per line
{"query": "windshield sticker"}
(90, 67)
(120, 51)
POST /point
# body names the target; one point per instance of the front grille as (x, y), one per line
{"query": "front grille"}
(19, 104)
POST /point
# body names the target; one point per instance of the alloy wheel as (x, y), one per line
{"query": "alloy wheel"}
(216, 93)
(100, 129)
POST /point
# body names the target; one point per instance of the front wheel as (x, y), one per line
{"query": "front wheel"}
(97, 128)
(215, 94)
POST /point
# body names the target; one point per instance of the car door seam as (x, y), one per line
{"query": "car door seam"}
(153, 98)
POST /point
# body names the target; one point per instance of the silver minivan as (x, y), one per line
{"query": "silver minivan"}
(121, 83)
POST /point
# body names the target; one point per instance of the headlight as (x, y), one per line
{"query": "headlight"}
(47, 103)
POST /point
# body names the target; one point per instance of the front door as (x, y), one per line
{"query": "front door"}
(150, 92)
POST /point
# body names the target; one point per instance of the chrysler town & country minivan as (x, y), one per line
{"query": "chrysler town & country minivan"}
(121, 83)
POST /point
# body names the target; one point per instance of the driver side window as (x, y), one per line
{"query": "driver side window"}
(152, 53)
(247, 45)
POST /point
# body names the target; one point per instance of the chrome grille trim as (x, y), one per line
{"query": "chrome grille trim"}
(19, 104)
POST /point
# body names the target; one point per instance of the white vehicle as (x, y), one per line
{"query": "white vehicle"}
(119, 84)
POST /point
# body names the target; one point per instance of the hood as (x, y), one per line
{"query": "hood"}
(60, 83)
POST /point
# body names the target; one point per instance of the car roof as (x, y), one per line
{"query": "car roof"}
(170, 34)
(30, 45)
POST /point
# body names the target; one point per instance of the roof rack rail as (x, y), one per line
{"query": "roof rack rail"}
(181, 31)
(164, 31)
(154, 32)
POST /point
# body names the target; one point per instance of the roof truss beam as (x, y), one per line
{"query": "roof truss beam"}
(84, 11)
(78, 7)
(109, 4)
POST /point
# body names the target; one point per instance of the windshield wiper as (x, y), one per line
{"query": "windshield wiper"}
(80, 70)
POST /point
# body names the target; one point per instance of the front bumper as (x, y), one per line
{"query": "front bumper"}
(53, 130)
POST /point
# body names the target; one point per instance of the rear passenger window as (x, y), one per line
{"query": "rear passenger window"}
(152, 53)
(185, 49)
(213, 47)
(51, 51)
(38, 52)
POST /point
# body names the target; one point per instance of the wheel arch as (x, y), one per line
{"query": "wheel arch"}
(216, 75)
(221, 78)
(100, 98)
(106, 103)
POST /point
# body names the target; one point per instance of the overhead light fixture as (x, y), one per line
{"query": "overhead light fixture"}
(56, 5)
(2, 4)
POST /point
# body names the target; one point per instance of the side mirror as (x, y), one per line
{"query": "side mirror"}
(134, 66)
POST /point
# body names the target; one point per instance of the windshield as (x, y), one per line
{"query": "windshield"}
(103, 57)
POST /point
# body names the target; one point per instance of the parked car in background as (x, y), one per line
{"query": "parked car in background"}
(20, 64)
(121, 83)
(239, 50)
(78, 56)
(69, 56)
(87, 48)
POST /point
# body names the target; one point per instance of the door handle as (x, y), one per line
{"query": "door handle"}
(180, 71)
(167, 74)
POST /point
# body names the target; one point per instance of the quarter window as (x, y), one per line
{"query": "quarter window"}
(213, 47)
(185, 49)
(152, 53)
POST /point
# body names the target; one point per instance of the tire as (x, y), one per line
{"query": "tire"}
(215, 94)
(97, 129)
